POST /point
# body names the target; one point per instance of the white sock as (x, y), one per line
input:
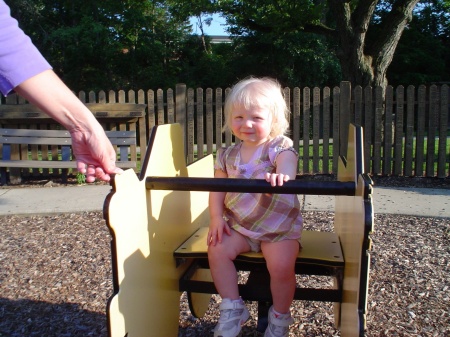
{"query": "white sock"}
(278, 315)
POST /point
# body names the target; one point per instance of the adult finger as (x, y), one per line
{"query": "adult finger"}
(90, 173)
(100, 174)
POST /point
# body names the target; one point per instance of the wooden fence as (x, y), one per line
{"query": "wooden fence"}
(406, 130)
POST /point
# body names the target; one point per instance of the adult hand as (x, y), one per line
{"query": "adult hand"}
(94, 154)
(93, 151)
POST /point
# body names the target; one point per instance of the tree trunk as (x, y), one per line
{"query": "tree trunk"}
(364, 64)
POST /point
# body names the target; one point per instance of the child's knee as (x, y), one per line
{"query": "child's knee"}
(281, 270)
(220, 251)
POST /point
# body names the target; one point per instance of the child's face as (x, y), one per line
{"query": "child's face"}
(253, 125)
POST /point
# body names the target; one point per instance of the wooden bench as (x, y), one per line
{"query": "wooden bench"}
(158, 224)
(53, 150)
(114, 116)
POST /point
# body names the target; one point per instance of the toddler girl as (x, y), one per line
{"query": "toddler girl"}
(257, 114)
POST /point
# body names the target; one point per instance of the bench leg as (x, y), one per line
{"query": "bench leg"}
(15, 175)
(261, 279)
(3, 174)
(263, 315)
(64, 176)
(338, 281)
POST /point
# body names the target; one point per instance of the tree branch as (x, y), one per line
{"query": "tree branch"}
(362, 14)
(392, 27)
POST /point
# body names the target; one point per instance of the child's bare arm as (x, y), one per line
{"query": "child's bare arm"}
(217, 225)
(286, 169)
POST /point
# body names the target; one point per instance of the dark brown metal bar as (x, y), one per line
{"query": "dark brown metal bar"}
(250, 186)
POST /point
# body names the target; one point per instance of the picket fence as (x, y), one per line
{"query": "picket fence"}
(406, 130)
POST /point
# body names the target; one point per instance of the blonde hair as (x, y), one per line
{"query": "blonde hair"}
(263, 93)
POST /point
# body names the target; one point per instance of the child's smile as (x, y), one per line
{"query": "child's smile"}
(252, 126)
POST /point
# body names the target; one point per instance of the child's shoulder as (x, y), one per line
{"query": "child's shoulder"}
(282, 141)
(226, 150)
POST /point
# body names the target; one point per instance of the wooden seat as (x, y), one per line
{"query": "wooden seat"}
(318, 248)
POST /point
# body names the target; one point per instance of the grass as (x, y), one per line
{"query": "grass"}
(326, 167)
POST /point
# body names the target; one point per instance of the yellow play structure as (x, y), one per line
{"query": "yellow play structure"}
(159, 222)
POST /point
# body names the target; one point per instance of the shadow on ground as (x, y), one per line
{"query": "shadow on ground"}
(20, 318)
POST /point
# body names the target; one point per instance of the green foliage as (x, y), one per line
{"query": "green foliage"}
(149, 44)
(295, 59)
(423, 53)
(108, 44)
(81, 178)
(364, 41)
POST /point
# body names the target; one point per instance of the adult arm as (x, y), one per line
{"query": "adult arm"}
(93, 151)
(19, 57)
(25, 70)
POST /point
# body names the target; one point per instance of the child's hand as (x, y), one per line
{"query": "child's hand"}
(276, 178)
(217, 227)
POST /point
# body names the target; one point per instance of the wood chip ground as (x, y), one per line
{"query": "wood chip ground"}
(55, 280)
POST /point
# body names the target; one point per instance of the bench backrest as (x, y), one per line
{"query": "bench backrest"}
(100, 110)
(58, 137)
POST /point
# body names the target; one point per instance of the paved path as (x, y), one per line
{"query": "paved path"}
(53, 200)
(406, 201)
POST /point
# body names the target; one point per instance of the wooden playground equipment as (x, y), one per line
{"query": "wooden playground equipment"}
(159, 223)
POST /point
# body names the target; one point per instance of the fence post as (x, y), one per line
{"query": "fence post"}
(200, 123)
(399, 118)
(316, 128)
(209, 121)
(409, 131)
(219, 118)
(443, 126)
(142, 123)
(378, 130)
(420, 133)
(296, 120)
(190, 125)
(433, 110)
(180, 110)
(387, 136)
(344, 116)
(335, 122)
(306, 127)
(326, 130)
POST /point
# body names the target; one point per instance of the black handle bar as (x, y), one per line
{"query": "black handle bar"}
(250, 186)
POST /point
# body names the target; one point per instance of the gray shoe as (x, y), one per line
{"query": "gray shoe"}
(232, 316)
(278, 326)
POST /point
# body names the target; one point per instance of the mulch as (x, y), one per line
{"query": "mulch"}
(55, 279)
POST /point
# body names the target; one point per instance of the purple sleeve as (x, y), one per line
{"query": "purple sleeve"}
(19, 58)
(220, 160)
(280, 144)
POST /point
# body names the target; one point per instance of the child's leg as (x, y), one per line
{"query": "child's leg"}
(280, 258)
(221, 257)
